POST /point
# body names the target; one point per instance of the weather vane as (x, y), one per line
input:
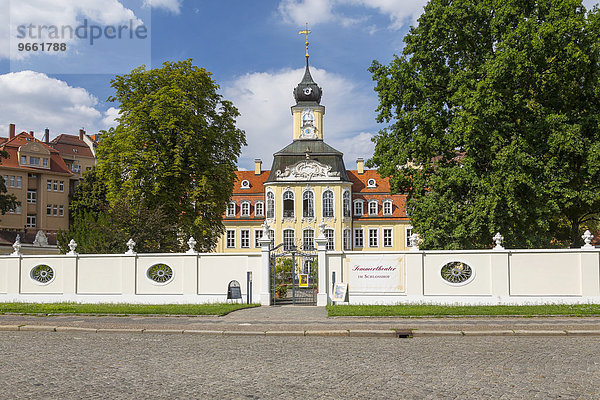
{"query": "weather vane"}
(305, 32)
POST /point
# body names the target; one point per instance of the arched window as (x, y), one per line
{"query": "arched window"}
(358, 208)
(308, 204)
(245, 209)
(327, 203)
(347, 240)
(289, 239)
(373, 207)
(346, 203)
(387, 207)
(231, 209)
(288, 203)
(308, 239)
(259, 209)
(270, 205)
(330, 235)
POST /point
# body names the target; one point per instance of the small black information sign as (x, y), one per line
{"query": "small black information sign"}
(234, 290)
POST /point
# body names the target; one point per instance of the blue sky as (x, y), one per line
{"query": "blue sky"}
(252, 47)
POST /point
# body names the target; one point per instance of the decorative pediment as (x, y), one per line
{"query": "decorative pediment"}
(307, 170)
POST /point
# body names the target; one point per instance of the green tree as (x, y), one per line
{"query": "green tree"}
(7, 201)
(494, 123)
(98, 227)
(175, 148)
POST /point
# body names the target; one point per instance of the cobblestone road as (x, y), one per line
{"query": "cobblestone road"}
(38, 365)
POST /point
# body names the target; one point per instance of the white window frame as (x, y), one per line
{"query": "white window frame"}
(61, 211)
(371, 183)
(330, 240)
(311, 208)
(356, 238)
(49, 185)
(245, 184)
(312, 239)
(259, 209)
(362, 207)
(45, 162)
(48, 209)
(391, 237)
(257, 236)
(324, 206)
(373, 213)
(286, 241)
(375, 242)
(245, 204)
(347, 239)
(61, 186)
(31, 221)
(283, 200)
(270, 212)
(228, 238)
(31, 196)
(34, 161)
(19, 182)
(12, 181)
(55, 186)
(407, 234)
(388, 204)
(245, 238)
(346, 204)
(229, 210)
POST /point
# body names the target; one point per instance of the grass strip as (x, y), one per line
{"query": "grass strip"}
(420, 310)
(120, 308)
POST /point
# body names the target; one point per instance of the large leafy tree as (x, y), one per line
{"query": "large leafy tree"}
(171, 159)
(494, 122)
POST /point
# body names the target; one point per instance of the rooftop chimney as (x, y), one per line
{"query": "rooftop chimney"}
(360, 166)
(46, 135)
(11, 131)
(257, 166)
(81, 133)
(31, 133)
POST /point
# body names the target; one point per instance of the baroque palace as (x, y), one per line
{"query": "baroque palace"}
(308, 190)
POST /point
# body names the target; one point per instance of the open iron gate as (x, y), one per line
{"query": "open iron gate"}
(293, 275)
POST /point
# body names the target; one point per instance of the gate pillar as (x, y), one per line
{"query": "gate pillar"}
(322, 297)
(265, 270)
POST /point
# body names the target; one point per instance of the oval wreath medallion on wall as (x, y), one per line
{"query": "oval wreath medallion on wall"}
(456, 272)
(160, 273)
(42, 273)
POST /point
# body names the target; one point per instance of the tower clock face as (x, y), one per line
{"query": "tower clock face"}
(308, 118)
(307, 130)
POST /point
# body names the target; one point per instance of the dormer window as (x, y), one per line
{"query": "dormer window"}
(387, 207)
(373, 207)
(23, 159)
(231, 209)
(246, 209)
(34, 161)
(45, 162)
(259, 209)
(358, 208)
(245, 184)
(371, 183)
(74, 150)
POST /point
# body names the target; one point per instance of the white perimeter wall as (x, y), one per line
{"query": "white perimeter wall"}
(499, 277)
(201, 278)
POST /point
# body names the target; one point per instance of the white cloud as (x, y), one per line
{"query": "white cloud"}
(173, 6)
(316, 12)
(110, 117)
(264, 100)
(590, 3)
(34, 101)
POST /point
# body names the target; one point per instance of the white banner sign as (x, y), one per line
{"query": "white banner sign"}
(376, 273)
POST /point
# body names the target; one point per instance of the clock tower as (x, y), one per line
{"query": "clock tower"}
(307, 113)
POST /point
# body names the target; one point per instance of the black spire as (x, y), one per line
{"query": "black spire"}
(307, 90)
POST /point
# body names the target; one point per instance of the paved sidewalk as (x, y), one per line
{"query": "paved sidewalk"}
(306, 321)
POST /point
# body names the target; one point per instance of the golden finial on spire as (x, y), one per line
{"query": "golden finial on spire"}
(306, 32)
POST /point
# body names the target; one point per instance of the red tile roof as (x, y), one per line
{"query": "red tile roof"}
(67, 144)
(359, 182)
(57, 164)
(256, 182)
